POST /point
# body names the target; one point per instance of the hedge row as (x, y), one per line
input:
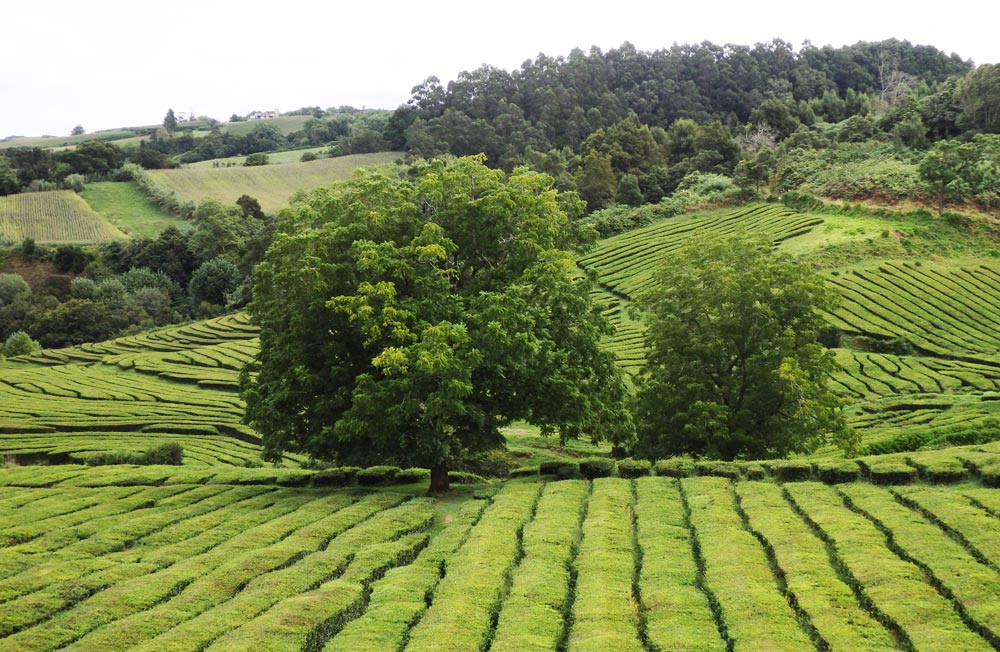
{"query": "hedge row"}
(468, 599)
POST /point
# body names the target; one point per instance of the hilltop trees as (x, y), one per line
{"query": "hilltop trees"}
(406, 318)
(735, 368)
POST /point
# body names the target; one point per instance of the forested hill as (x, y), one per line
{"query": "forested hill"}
(558, 102)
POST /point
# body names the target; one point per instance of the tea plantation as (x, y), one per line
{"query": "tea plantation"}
(897, 549)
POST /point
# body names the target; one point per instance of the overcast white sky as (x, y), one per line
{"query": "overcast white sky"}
(110, 63)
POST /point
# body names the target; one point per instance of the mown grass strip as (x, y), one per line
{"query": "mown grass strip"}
(467, 600)
(605, 616)
(756, 614)
(533, 616)
(812, 583)
(678, 614)
(971, 586)
(897, 589)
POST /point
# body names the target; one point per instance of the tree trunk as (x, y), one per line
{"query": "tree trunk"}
(439, 478)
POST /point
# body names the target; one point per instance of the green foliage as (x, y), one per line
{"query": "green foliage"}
(214, 282)
(170, 453)
(597, 467)
(19, 343)
(459, 304)
(629, 468)
(734, 367)
(257, 158)
(12, 287)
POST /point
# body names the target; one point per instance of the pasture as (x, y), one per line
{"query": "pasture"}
(128, 208)
(271, 185)
(54, 217)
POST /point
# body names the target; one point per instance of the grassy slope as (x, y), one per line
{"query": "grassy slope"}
(129, 209)
(271, 185)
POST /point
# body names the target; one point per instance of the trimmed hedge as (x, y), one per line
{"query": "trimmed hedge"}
(675, 467)
(630, 468)
(562, 470)
(597, 467)
(792, 470)
(891, 473)
(719, 469)
(838, 471)
(377, 475)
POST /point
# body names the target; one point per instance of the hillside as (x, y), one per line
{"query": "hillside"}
(886, 552)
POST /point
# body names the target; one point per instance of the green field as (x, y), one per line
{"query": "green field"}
(52, 217)
(128, 208)
(271, 185)
(54, 142)
(175, 562)
(885, 552)
(274, 158)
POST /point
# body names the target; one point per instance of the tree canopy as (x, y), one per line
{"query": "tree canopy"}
(406, 317)
(734, 367)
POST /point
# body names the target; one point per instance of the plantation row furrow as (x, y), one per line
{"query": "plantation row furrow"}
(898, 591)
(755, 614)
(364, 536)
(198, 582)
(677, 613)
(399, 599)
(972, 587)
(605, 615)
(77, 559)
(841, 623)
(469, 597)
(976, 529)
(533, 618)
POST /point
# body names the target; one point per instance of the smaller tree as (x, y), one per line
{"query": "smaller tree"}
(19, 343)
(170, 121)
(734, 367)
(257, 158)
(213, 282)
(943, 171)
(78, 131)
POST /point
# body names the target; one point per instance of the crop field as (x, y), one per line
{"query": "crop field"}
(657, 563)
(55, 216)
(271, 185)
(174, 385)
(274, 158)
(128, 208)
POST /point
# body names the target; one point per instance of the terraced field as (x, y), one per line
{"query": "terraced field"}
(129, 394)
(656, 563)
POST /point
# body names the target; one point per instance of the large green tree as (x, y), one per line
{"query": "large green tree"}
(406, 317)
(734, 367)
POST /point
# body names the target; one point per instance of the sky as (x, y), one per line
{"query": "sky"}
(104, 64)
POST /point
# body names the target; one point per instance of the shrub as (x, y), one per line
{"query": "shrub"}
(336, 477)
(19, 343)
(791, 470)
(990, 475)
(257, 158)
(941, 470)
(377, 475)
(753, 471)
(839, 471)
(631, 468)
(716, 468)
(463, 477)
(308, 156)
(675, 467)
(891, 473)
(559, 469)
(597, 467)
(169, 453)
(524, 471)
(410, 476)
